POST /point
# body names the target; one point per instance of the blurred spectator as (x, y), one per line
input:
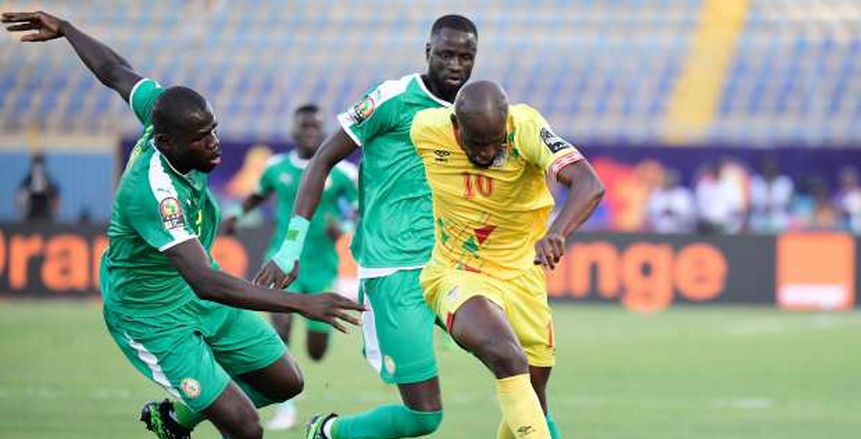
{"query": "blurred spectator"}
(38, 196)
(848, 199)
(770, 196)
(720, 199)
(813, 209)
(671, 207)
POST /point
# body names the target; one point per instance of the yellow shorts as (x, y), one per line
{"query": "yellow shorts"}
(524, 300)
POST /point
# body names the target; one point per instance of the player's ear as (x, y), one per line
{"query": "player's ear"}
(427, 51)
(456, 127)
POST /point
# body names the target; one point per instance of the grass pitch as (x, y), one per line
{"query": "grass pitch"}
(685, 373)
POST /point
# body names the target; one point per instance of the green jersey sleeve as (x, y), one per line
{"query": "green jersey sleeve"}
(376, 112)
(266, 182)
(143, 97)
(348, 177)
(155, 211)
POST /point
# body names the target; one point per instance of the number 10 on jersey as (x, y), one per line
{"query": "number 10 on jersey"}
(476, 184)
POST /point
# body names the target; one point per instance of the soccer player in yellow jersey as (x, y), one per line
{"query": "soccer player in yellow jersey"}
(487, 163)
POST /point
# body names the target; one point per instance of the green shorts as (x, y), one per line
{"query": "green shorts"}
(314, 282)
(194, 350)
(398, 331)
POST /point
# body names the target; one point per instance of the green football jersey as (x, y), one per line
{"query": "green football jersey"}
(282, 176)
(155, 208)
(395, 227)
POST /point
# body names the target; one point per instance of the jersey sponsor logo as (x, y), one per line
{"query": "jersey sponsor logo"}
(553, 142)
(363, 109)
(190, 388)
(441, 155)
(171, 213)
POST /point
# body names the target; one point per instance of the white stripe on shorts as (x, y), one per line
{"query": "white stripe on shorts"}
(369, 335)
(152, 362)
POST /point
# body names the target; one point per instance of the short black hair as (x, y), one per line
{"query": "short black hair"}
(454, 22)
(172, 109)
(307, 108)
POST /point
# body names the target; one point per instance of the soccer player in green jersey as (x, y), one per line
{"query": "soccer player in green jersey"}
(319, 259)
(394, 235)
(168, 307)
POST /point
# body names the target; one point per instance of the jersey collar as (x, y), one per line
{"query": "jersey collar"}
(297, 161)
(186, 176)
(418, 78)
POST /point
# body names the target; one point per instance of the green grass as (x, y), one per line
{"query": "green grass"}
(686, 373)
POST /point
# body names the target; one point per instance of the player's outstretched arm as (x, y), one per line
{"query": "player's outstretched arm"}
(210, 284)
(585, 191)
(108, 66)
(334, 149)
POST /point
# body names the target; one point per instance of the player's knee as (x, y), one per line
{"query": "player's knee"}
(292, 386)
(293, 389)
(422, 423)
(316, 354)
(504, 359)
(316, 351)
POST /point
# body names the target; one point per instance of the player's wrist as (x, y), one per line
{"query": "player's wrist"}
(292, 245)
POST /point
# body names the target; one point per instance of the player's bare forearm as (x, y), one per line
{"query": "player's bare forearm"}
(334, 149)
(108, 66)
(585, 191)
(252, 202)
(190, 259)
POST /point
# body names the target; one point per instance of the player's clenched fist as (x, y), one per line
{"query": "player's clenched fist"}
(549, 250)
(47, 26)
(330, 308)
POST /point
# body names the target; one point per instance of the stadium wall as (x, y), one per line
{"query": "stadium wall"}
(643, 272)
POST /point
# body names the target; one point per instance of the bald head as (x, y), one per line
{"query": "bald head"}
(480, 115)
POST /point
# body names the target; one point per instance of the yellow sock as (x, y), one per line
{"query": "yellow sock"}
(521, 410)
(504, 432)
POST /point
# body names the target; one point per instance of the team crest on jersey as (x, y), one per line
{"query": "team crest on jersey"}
(285, 178)
(190, 388)
(363, 109)
(170, 210)
(553, 142)
(390, 364)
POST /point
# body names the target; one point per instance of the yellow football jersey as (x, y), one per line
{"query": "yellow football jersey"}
(488, 220)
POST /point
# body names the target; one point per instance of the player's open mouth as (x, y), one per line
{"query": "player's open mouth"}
(216, 160)
(453, 80)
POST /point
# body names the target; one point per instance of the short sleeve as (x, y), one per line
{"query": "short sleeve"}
(161, 224)
(143, 97)
(374, 113)
(348, 176)
(264, 183)
(543, 148)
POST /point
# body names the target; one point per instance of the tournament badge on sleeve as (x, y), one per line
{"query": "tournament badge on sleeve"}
(363, 109)
(171, 213)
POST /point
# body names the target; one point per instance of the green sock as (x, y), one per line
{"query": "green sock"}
(386, 422)
(185, 416)
(551, 425)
